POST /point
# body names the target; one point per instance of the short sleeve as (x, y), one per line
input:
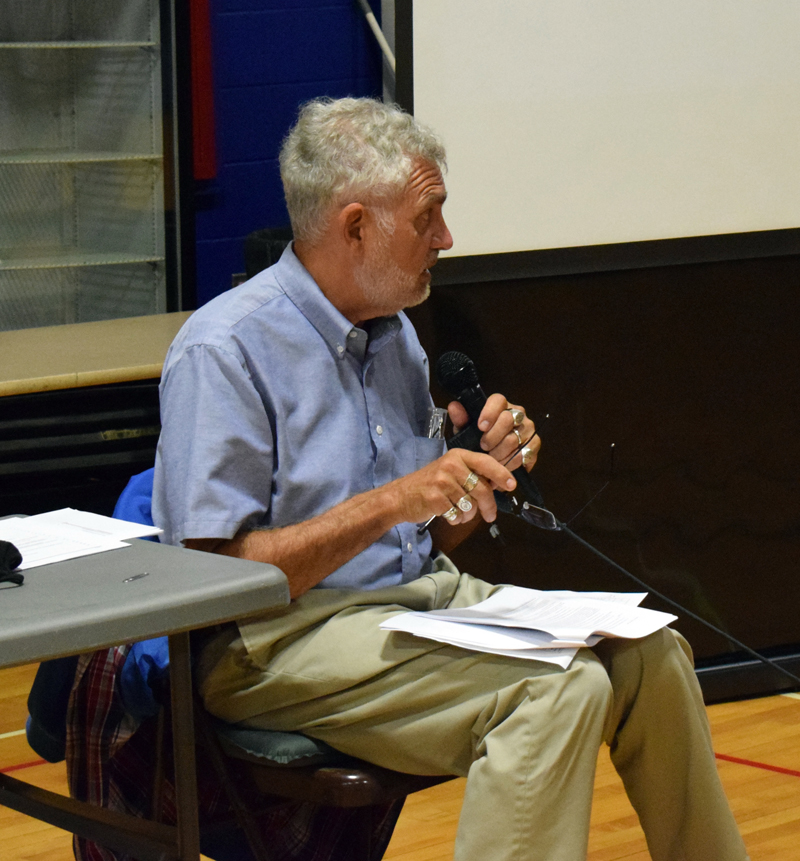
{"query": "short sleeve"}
(214, 462)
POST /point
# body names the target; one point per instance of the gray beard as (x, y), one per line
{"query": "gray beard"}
(384, 285)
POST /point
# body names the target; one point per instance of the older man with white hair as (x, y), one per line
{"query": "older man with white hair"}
(294, 411)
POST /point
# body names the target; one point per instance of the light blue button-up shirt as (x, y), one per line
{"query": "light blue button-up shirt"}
(275, 408)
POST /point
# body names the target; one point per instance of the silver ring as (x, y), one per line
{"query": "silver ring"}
(528, 455)
(451, 514)
(518, 435)
(471, 483)
(465, 503)
(517, 415)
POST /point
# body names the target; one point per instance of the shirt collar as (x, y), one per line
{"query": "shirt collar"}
(335, 329)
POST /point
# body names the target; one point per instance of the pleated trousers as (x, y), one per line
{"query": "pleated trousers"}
(525, 734)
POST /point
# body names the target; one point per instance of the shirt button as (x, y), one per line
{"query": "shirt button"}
(352, 334)
(340, 349)
(410, 547)
(379, 429)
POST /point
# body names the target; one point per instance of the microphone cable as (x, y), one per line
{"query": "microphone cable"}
(457, 375)
(738, 643)
(542, 518)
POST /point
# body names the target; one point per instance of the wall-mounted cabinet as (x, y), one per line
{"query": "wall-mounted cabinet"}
(89, 202)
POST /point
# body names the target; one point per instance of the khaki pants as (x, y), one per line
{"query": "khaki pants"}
(524, 733)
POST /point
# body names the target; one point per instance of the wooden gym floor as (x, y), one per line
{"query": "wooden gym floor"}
(758, 753)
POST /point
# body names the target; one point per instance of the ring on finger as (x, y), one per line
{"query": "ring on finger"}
(528, 455)
(471, 483)
(451, 514)
(517, 415)
(465, 503)
(518, 435)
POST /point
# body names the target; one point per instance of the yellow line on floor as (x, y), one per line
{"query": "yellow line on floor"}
(11, 734)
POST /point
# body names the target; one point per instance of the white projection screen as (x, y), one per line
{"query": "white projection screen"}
(587, 122)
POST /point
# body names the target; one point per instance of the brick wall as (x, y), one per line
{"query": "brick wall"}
(268, 57)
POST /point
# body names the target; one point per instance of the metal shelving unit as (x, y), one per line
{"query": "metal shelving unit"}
(88, 161)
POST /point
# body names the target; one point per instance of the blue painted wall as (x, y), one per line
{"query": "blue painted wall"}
(268, 57)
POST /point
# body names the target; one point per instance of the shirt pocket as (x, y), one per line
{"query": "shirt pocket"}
(426, 450)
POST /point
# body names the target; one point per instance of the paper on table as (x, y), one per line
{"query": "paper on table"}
(92, 526)
(43, 546)
(573, 618)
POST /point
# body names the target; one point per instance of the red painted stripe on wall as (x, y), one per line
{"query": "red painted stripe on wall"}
(203, 139)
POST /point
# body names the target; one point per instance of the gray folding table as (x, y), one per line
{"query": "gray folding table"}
(134, 593)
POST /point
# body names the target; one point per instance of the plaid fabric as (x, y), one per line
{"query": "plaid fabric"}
(110, 763)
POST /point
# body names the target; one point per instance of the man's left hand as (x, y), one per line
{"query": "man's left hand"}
(507, 431)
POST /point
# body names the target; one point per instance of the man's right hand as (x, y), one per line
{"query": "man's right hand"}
(308, 552)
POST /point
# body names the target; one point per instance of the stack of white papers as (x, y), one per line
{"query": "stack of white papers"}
(540, 626)
(66, 534)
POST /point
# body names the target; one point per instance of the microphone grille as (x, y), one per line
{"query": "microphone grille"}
(456, 372)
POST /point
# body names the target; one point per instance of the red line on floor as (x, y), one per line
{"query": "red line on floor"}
(763, 765)
(22, 765)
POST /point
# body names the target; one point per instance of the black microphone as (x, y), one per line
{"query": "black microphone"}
(457, 375)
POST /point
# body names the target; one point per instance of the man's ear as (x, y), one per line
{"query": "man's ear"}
(351, 223)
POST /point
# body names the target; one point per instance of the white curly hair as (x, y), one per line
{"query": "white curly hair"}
(345, 150)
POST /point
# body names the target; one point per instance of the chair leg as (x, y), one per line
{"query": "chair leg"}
(370, 836)
(362, 834)
(244, 816)
(156, 805)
